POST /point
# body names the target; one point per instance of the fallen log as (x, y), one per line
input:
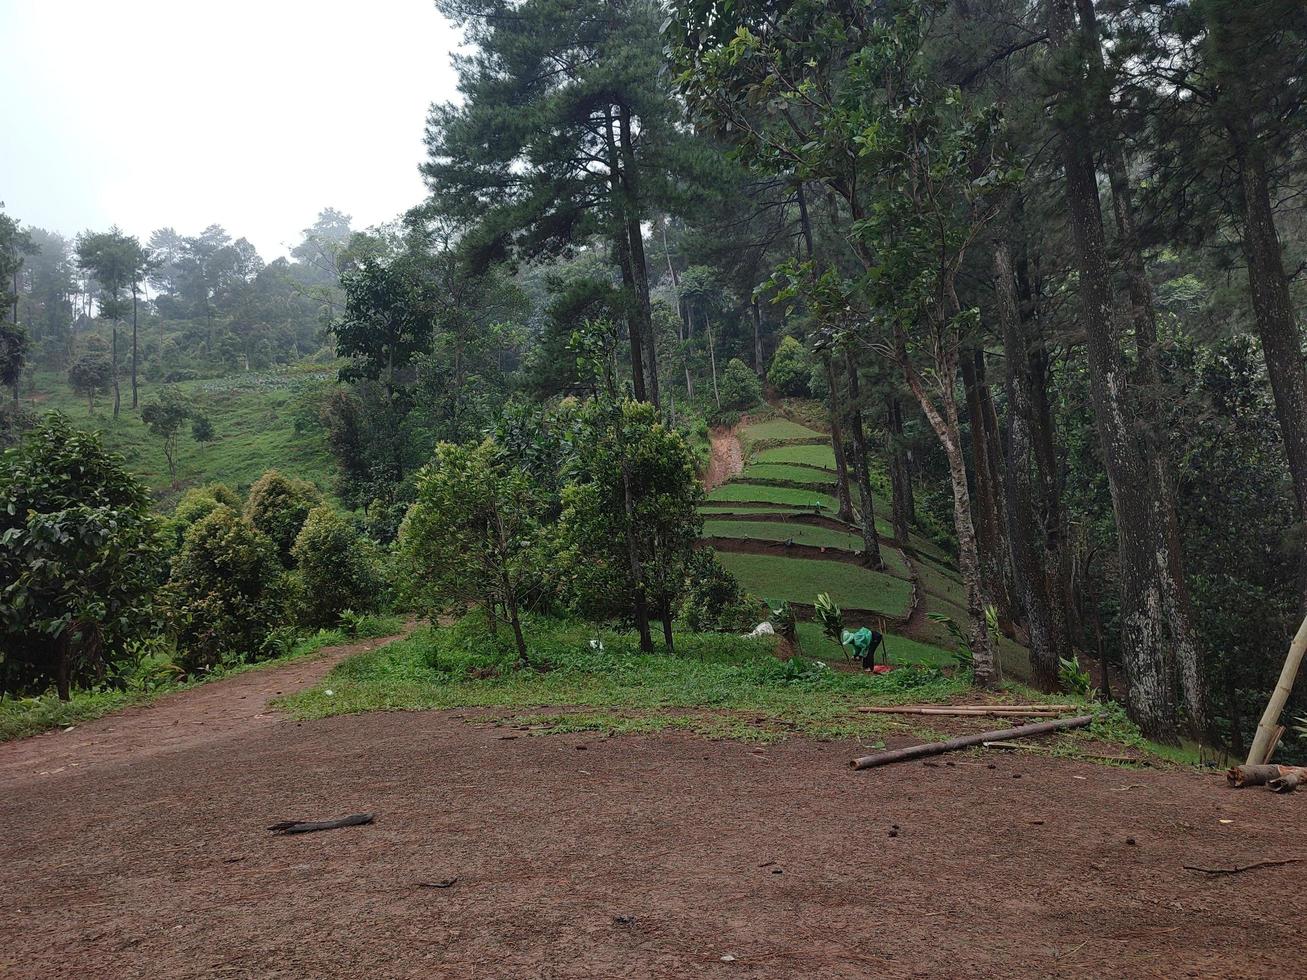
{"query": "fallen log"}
(967, 741)
(309, 826)
(1288, 780)
(961, 710)
(1241, 776)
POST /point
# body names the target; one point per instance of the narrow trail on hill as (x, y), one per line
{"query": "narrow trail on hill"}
(206, 713)
(727, 459)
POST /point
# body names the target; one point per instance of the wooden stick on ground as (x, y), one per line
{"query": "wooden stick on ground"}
(309, 826)
(1240, 867)
(1261, 747)
(961, 710)
(967, 741)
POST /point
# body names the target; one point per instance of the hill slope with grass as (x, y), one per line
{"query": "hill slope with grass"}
(774, 526)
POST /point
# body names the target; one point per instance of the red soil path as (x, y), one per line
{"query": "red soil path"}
(727, 456)
(637, 857)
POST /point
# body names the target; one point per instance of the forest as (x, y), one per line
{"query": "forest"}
(1024, 281)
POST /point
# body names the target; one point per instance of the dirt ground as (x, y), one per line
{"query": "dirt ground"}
(727, 455)
(574, 856)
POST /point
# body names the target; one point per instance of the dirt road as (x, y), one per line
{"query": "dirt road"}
(626, 857)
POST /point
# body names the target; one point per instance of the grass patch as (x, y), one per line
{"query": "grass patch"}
(807, 499)
(800, 579)
(252, 424)
(788, 473)
(778, 429)
(716, 684)
(816, 537)
(20, 717)
(812, 455)
(902, 650)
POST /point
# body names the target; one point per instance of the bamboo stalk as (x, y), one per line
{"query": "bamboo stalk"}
(1261, 747)
(967, 741)
(965, 711)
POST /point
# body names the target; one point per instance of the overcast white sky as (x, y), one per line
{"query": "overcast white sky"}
(252, 114)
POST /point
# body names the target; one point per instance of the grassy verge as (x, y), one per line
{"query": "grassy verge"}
(20, 717)
(716, 685)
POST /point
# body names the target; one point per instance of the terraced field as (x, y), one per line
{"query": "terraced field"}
(774, 527)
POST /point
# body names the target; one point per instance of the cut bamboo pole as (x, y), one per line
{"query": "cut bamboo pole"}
(967, 741)
(1261, 747)
(967, 709)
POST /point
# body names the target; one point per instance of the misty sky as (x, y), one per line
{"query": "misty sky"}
(252, 114)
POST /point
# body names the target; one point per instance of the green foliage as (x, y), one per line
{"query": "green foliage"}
(201, 428)
(714, 600)
(164, 417)
(790, 368)
(962, 646)
(474, 534)
(632, 501)
(739, 386)
(783, 621)
(228, 589)
(829, 617)
(1073, 678)
(277, 507)
(335, 569)
(80, 562)
(90, 374)
(197, 503)
(624, 690)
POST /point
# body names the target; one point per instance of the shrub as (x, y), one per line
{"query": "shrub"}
(714, 600)
(80, 562)
(790, 370)
(278, 506)
(195, 504)
(228, 589)
(335, 569)
(739, 387)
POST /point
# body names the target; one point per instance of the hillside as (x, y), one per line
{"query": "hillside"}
(774, 526)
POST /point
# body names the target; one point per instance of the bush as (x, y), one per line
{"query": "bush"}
(195, 504)
(714, 600)
(228, 589)
(278, 506)
(739, 387)
(80, 562)
(790, 369)
(336, 569)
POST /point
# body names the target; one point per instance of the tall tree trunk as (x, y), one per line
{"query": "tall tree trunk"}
(136, 401)
(987, 670)
(641, 602)
(902, 507)
(639, 267)
(1027, 554)
(1145, 637)
(989, 537)
(117, 397)
(870, 539)
(837, 441)
(680, 312)
(712, 359)
(757, 339)
(622, 247)
(1170, 555)
(1048, 479)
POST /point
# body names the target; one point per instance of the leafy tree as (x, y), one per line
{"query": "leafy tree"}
(277, 507)
(228, 591)
(473, 535)
(335, 568)
(80, 562)
(714, 600)
(630, 517)
(201, 427)
(196, 504)
(115, 260)
(15, 245)
(90, 374)
(567, 128)
(790, 368)
(165, 417)
(740, 388)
